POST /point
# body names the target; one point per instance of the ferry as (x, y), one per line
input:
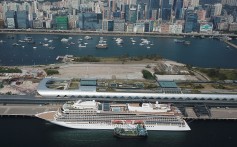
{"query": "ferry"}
(94, 115)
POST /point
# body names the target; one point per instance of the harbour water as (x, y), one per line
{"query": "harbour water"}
(35, 132)
(201, 52)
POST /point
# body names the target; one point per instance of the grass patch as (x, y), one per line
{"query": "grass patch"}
(51, 71)
(220, 74)
(86, 59)
(10, 70)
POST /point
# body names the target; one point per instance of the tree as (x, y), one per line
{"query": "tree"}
(147, 74)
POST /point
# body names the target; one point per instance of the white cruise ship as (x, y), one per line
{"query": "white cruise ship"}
(94, 115)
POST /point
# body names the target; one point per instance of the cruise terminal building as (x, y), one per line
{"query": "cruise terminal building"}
(56, 87)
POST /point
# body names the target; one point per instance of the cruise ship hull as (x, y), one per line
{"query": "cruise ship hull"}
(75, 125)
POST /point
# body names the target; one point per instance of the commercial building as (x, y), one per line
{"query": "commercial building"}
(11, 19)
(233, 27)
(175, 29)
(191, 23)
(108, 25)
(132, 15)
(22, 19)
(1, 23)
(61, 22)
(206, 27)
(90, 21)
(138, 27)
(119, 25)
(129, 28)
(37, 24)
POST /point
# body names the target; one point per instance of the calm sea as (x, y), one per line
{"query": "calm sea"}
(33, 132)
(201, 52)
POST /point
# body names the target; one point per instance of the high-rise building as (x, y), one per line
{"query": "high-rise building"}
(22, 19)
(90, 21)
(216, 9)
(190, 22)
(152, 6)
(166, 9)
(178, 8)
(132, 15)
(141, 11)
(201, 15)
(126, 12)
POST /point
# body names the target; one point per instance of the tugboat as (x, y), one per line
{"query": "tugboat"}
(131, 132)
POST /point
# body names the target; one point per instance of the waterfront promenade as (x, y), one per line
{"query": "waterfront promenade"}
(112, 33)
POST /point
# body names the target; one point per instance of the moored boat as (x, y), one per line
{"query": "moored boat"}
(102, 44)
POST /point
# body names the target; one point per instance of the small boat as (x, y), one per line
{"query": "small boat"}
(15, 44)
(21, 41)
(179, 41)
(45, 44)
(45, 39)
(50, 41)
(148, 47)
(64, 40)
(133, 41)
(51, 47)
(72, 43)
(23, 46)
(87, 37)
(34, 47)
(27, 39)
(139, 131)
(102, 44)
(187, 42)
(82, 45)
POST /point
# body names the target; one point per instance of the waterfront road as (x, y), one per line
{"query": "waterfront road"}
(27, 99)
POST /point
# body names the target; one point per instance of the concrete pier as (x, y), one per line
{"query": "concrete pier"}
(231, 44)
(26, 110)
(215, 113)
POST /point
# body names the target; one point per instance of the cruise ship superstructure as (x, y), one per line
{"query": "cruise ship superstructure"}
(94, 115)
